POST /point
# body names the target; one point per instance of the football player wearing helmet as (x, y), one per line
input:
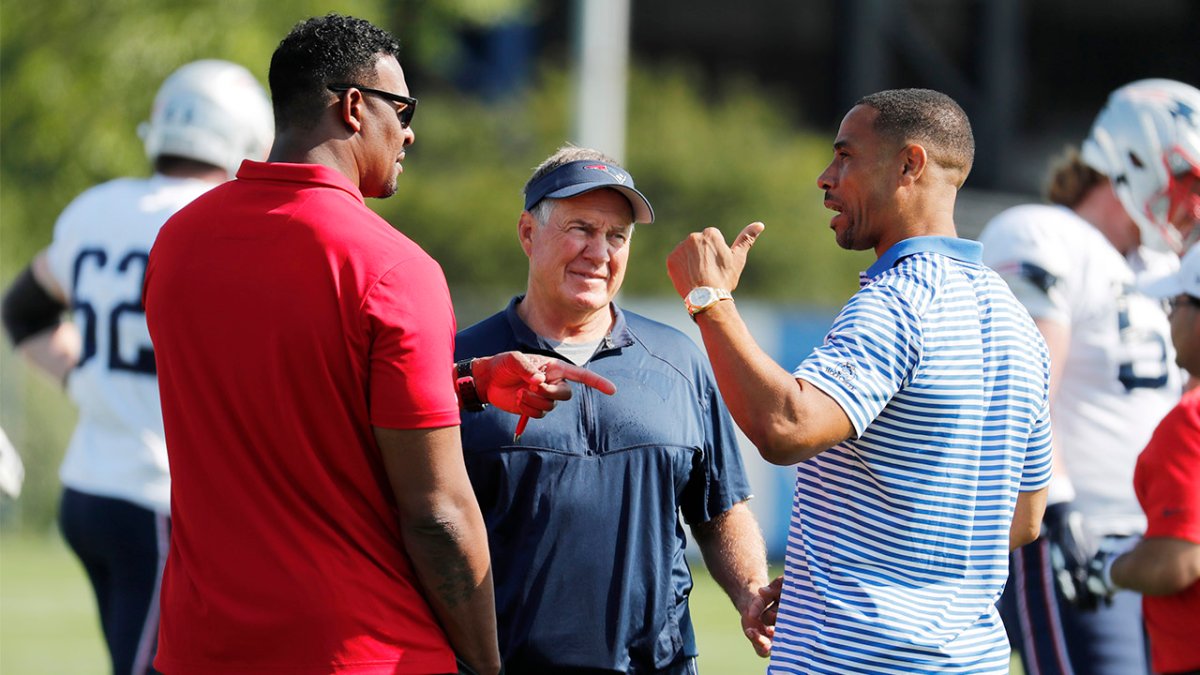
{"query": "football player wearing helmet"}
(207, 117)
(1124, 206)
(1147, 141)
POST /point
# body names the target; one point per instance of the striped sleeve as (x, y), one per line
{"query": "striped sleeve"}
(1036, 472)
(870, 353)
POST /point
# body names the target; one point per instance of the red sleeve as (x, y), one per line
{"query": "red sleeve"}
(412, 330)
(1168, 474)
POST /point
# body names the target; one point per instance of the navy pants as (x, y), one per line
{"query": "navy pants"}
(1054, 638)
(123, 548)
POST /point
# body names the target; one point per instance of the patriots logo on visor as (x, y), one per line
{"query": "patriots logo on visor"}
(619, 176)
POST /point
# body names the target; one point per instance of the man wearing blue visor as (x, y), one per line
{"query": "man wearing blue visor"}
(582, 510)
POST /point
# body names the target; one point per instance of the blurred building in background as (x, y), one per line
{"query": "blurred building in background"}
(1030, 73)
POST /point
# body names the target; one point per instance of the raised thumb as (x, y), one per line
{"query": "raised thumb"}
(747, 236)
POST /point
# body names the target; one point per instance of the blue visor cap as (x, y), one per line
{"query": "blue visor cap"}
(576, 178)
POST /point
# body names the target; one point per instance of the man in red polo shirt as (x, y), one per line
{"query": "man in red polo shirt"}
(1165, 565)
(323, 518)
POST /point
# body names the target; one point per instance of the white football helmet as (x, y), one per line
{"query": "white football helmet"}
(1147, 141)
(211, 111)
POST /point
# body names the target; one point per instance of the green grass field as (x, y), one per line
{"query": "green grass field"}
(48, 618)
(48, 623)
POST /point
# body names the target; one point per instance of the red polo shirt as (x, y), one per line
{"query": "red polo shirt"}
(1167, 481)
(287, 320)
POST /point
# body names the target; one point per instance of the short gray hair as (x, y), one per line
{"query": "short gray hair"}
(542, 211)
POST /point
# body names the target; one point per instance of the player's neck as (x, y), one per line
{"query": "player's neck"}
(182, 168)
(1101, 207)
(565, 325)
(310, 148)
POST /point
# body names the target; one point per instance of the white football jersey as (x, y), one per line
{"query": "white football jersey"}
(101, 244)
(1120, 376)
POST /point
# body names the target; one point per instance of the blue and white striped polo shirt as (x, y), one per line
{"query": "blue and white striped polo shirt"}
(898, 547)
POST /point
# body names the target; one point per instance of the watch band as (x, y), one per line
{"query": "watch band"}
(464, 368)
(464, 384)
(703, 298)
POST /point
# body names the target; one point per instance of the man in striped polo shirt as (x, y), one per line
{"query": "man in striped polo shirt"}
(920, 428)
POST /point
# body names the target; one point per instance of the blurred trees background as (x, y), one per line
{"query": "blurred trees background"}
(77, 78)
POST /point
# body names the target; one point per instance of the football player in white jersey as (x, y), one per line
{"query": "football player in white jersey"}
(1124, 206)
(207, 117)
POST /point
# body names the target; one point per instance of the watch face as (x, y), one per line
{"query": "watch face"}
(702, 296)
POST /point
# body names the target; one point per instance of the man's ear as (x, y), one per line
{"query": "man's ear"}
(351, 109)
(913, 160)
(525, 227)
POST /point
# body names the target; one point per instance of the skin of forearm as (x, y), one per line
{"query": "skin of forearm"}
(766, 401)
(734, 553)
(457, 579)
(1158, 566)
(1027, 518)
(54, 351)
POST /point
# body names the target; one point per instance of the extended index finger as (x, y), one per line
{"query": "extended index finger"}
(565, 371)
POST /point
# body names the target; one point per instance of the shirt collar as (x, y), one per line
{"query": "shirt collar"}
(951, 247)
(298, 173)
(619, 336)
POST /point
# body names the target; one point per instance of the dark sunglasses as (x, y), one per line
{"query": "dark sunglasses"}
(405, 114)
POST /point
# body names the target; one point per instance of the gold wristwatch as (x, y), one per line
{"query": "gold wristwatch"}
(701, 298)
